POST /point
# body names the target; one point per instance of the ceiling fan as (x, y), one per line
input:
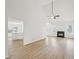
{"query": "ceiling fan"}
(53, 16)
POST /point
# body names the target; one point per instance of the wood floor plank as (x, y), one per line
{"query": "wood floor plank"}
(49, 48)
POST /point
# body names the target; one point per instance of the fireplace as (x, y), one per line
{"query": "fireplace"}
(60, 34)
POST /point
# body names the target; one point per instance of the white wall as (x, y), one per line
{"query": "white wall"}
(6, 41)
(33, 28)
(6, 45)
(35, 14)
(64, 8)
(34, 19)
(6, 31)
(60, 26)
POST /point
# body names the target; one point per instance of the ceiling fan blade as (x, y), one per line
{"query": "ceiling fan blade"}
(57, 16)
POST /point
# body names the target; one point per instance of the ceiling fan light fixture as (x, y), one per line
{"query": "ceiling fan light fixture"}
(52, 17)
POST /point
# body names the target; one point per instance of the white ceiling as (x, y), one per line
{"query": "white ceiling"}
(15, 5)
(61, 6)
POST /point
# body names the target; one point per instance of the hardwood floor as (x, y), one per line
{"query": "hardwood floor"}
(50, 48)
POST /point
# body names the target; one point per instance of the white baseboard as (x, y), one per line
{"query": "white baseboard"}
(33, 41)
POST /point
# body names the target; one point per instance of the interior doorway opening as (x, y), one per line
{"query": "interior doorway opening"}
(15, 34)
